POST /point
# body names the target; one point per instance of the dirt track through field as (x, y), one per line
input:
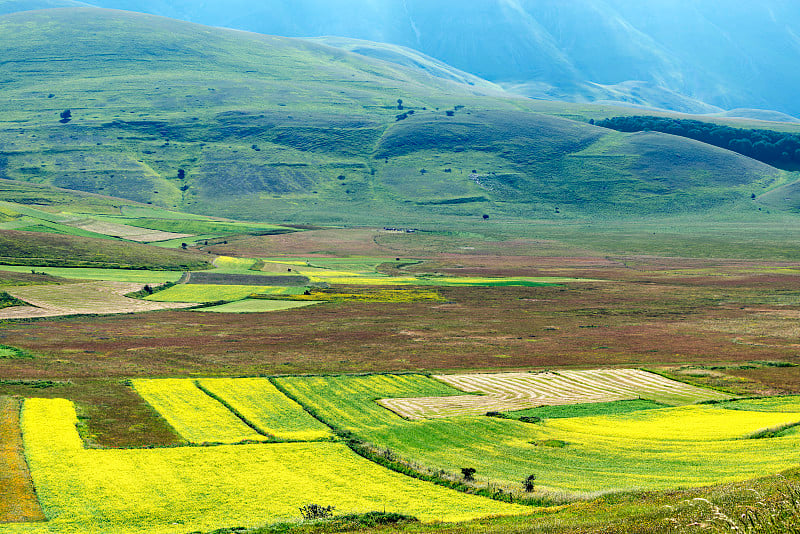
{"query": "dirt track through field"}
(503, 392)
(83, 298)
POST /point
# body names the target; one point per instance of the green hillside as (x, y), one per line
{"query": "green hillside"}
(255, 127)
(43, 249)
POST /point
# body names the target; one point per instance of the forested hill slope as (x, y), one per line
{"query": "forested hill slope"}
(245, 125)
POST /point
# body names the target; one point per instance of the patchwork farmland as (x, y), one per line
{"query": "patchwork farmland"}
(263, 455)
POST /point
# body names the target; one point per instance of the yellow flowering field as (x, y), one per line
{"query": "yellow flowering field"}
(269, 410)
(686, 423)
(185, 489)
(197, 417)
(231, 263)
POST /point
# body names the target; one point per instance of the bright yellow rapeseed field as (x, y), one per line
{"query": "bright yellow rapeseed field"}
(197, 417)
(266, 408)
(179, 490)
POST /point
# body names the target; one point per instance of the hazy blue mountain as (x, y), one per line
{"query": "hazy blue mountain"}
(691, 56)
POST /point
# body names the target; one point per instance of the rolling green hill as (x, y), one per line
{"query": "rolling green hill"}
(249, 126)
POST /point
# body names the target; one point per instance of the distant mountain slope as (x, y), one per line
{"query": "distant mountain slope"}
(266, 128)
(721, 53)
(407, 57)
(14, 6)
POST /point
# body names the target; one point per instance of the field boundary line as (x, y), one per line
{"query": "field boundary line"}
(387, 459)
(233, 410)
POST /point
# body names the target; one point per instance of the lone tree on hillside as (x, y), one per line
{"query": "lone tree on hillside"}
(468, 473)
(66, 116)
(399, 103)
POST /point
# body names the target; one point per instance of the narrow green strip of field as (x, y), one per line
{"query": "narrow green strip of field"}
(192, 413)
(586, 409)
(768, 404)
(257, 306)
(269, 410)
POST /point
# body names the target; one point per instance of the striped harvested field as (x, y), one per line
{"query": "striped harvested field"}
(502, 392)
(102, 297)
(131, 233)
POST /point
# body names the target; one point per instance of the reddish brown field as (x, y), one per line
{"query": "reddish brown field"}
(17, 498)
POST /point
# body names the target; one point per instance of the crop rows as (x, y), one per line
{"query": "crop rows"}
(502, 392)
(194, 414)
(131, 233)
(266, 408)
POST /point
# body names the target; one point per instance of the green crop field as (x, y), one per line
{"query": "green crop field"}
(214, 292)
(184, 489)
(585, 410)
(648, 449)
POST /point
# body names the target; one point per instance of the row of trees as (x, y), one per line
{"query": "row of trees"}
(771, 147)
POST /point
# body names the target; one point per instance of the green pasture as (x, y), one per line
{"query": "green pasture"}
(256, 306)
(644, 449)
(111, 275)
(215, 293)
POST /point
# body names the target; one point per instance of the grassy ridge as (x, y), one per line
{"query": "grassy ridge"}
(41, 249)
(289, 130)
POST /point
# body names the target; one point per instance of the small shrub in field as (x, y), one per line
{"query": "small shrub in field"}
(316, 511)
(468, 473)
(530, 419)
(529, 483)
